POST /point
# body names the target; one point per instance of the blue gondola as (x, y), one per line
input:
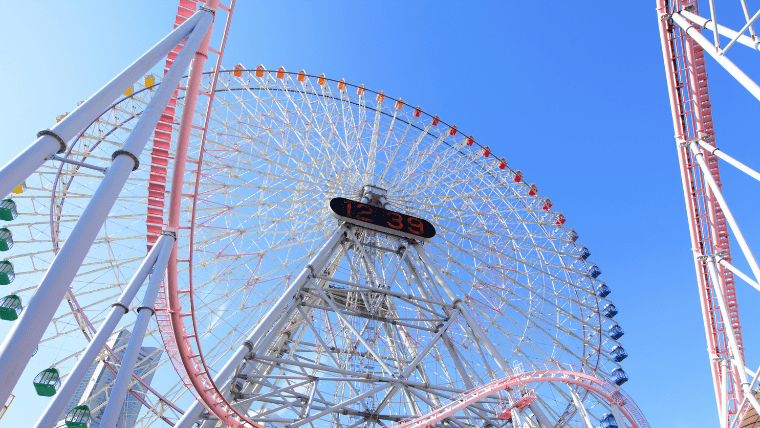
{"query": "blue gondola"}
(616, 332)
(618, 354)
(619, 377)
(608, 421)
(572, 235)
(595, 271)
(584, 253)
(603, 291)
(609, 310)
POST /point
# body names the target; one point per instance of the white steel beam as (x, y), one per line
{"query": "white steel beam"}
(719, 29)
(739, 75)
(459, 304)
(724, 392)
(52, 141)
(18, 346)
(699, 156)
(144, 313)
(351, 328)
(618, 415)
(723, 262)
(728, 326)
(317, 262)
(53, 411)
(341, 405)
(543, 421)
(719, 153)
(579, 406)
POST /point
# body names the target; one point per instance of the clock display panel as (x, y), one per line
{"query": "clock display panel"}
(381, 219)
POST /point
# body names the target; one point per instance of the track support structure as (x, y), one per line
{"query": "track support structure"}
(709, 217)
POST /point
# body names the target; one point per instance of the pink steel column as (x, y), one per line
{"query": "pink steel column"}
(175, 205)
(684, 92)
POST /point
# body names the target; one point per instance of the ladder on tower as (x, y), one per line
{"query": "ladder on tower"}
(5, 407)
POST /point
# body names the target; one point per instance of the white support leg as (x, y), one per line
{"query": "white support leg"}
(724, 206)
(317, 263)
(52, 141)
(618, 414)
(738, 361)
(27, 331)
(538, 412)
(459, 304)
(516, 419)
(580, 408)
(144, 313)
(724, 393)
(53, 411)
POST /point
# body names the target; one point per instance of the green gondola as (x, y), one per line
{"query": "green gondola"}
(10, 307)
(8, 210)
(6, 239)
(78, 417)
(47, 382)
(6, 272)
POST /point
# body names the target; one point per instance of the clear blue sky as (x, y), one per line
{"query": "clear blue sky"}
(571, 93)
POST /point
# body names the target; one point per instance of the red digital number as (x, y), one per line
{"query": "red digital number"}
(348, 212)
(365, 209)
(397, 222)
(415, 225)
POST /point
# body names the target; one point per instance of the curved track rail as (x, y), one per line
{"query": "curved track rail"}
(592, 384)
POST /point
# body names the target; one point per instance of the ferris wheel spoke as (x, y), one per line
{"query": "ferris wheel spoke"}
(539, 270)
(263, 126)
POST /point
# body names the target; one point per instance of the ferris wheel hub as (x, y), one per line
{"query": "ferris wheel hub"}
(374, 195)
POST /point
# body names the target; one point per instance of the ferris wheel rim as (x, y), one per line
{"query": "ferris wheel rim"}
(188, 350)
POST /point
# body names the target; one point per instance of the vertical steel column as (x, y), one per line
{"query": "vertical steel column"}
(144, 313)
(459, 304)
(50, 416)
(538, 412)
(579, 406)
(516, 420)
(316, 264)
(724, 392)
(684, 118)
(738, 360)
(26, 333)
(618, 415)
(52, 141)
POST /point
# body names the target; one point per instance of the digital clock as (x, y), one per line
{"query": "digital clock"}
(381, 219)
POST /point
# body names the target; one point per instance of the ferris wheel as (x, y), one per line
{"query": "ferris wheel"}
(333, 256)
